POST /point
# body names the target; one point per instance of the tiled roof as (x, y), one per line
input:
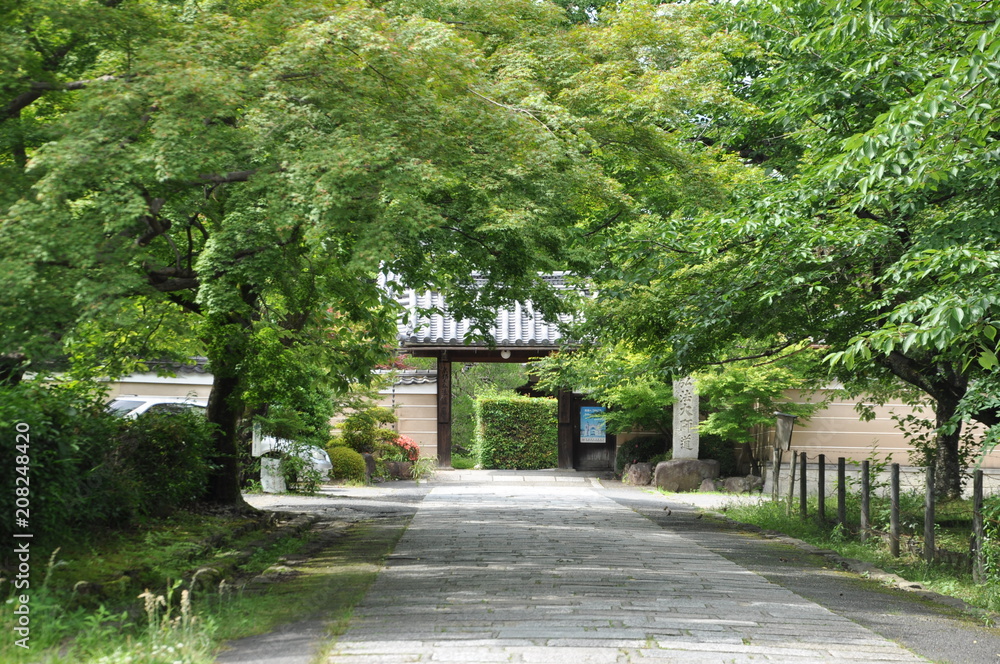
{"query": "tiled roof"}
(197, 365)
(412, 376)
(516, 326)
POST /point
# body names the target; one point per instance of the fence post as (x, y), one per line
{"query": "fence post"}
(791, 485)
(929, 516)
(803, 489)
(894, 510)
(865, 501)
(978, 539)
(775, 473)
(842, 492)
(821, 488)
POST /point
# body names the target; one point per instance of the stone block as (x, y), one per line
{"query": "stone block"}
(684, 474)
(399, 470)
(742, 484)
(707, 486)
(638, 474)
(271, 479)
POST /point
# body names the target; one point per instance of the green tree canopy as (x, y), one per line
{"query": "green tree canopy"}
(865, 218)
(254, 165)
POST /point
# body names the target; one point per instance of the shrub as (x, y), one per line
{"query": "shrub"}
(711, 446)
(67, 434)
(347, 464)
(666, 456)
(336, 441)
(362, 430)
(89, 469)
(640, 449)
(516, 432)
(402, 448)
(166, 453)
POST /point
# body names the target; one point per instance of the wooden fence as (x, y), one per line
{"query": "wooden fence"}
(930, 552)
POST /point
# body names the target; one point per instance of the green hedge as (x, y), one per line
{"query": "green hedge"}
(516, 432)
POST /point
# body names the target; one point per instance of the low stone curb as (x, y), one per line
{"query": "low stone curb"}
(864, 569)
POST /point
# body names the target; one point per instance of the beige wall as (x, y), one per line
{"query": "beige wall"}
(838, 431)
(197, 385)
(417, 415)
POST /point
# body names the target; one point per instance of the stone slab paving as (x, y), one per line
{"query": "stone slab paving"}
(557, 572)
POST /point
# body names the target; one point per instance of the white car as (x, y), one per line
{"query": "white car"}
(131, 407)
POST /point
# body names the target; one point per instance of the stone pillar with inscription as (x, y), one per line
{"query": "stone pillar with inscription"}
(685, 419)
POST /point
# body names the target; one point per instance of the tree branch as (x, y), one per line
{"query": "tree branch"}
(911, 371)
(770, 352)
(38, 88)
(223, 178)
(607, 223)
(155, 228)
(475, 239)
(173, 285)
(20, 102)
(176, 298)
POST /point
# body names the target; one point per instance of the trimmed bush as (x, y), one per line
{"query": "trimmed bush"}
(362, 430)
(347, 464)
(515, 432)
(640, 450)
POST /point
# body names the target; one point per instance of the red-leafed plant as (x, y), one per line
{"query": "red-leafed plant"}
(408, 448)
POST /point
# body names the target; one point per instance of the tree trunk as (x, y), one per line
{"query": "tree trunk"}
(12, 368)
(946, 383)
(224, 482)
(231, 334)
(947, 460)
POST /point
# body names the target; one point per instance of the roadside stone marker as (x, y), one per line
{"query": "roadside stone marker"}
(685, 419)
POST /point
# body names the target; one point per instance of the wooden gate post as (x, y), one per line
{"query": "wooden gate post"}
(444, 410)
(565, 434)
(803, 489)
(791, 485)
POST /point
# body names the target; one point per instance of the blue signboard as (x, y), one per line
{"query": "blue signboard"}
(592, 429)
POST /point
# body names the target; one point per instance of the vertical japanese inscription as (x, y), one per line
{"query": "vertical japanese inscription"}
(685, 419)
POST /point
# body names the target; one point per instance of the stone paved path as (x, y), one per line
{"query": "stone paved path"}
(497, 572)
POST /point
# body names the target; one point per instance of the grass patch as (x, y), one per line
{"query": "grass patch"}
(173, 622)
(953, 527)
(461, 462)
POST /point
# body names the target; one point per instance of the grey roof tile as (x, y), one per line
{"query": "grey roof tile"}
(516, 326)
